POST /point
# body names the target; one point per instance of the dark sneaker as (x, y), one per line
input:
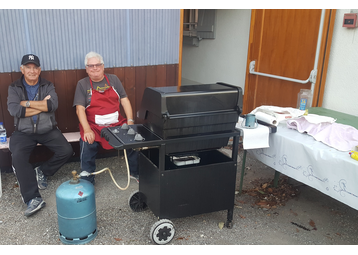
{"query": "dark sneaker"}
(135, 177)
(41, 178)
(34, 205)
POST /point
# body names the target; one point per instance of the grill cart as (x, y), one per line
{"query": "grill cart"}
(182, 172)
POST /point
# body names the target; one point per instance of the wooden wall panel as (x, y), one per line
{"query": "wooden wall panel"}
(59, 78)
(151, 76)
(140, 84)
(71, 120)
(172, 75)
(15, 76)
(134, 80)
(161, 76)
(129, 86)
(119, 72)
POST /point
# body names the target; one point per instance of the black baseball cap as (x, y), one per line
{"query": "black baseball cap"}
(30, 58)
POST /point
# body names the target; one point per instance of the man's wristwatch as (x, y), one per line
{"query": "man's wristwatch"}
(131, 120)
(28, 104)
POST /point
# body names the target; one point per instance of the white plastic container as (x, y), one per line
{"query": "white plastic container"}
(304, 99)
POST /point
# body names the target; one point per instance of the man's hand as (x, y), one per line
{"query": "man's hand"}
(88, 136)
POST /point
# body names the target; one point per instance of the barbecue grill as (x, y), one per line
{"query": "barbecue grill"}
(182, 172)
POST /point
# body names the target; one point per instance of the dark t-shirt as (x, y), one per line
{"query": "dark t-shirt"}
(83, 92)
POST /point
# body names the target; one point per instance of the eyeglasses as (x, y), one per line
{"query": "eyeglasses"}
(96, 65)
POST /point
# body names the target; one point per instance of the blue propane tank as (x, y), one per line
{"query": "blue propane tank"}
(76, 211)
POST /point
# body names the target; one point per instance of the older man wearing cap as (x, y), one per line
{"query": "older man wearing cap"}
(32, 101)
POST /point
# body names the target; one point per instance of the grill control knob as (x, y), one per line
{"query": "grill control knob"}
(138, 137)
(124, 126)
(131, 131)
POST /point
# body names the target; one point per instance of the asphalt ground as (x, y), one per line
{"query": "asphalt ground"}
(334, 226)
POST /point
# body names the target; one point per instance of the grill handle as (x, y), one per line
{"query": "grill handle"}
(239, 98)
(111, 139)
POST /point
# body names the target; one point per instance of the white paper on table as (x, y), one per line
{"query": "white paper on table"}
(266, 118)
(254, 138)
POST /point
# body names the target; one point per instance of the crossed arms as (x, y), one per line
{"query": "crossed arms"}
(36, 107)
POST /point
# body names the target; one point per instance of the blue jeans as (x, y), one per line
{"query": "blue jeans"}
(88, 153)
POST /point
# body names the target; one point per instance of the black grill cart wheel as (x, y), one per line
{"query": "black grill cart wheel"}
(136, 201)
(162, 232)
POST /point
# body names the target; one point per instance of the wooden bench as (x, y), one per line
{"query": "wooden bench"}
(71, 137)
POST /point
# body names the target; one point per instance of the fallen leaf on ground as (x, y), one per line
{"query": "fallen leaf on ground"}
(293, 212)
(274, 196)
(118, 239)
(221, 225)
(262, 203)
(182, 238)
(312, 224)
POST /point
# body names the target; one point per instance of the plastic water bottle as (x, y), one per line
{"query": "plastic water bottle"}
(2, 133)
(304, 99)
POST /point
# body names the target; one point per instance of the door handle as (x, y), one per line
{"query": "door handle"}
(311, 78)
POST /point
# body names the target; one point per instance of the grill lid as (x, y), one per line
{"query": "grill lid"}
(170, 102)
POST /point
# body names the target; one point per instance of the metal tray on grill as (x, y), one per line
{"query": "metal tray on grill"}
(185, 160)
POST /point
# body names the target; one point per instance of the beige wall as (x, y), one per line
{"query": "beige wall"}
(342, 76)
(222, 59)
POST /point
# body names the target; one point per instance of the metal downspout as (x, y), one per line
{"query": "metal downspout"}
(318, 48)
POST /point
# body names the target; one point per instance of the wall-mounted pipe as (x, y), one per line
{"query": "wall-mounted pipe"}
(318, 48)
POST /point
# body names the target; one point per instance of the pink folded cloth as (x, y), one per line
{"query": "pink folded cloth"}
(339, 136)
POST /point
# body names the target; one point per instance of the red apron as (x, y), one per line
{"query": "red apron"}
(103, 112)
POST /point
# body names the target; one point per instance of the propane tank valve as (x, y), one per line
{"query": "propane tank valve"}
(75, 177)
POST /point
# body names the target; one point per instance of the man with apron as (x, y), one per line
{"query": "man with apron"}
(97, 100)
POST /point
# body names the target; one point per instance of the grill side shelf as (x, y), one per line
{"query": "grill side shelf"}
(120, 139)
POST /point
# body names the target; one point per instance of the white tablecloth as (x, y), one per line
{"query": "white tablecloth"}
(301, 157)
